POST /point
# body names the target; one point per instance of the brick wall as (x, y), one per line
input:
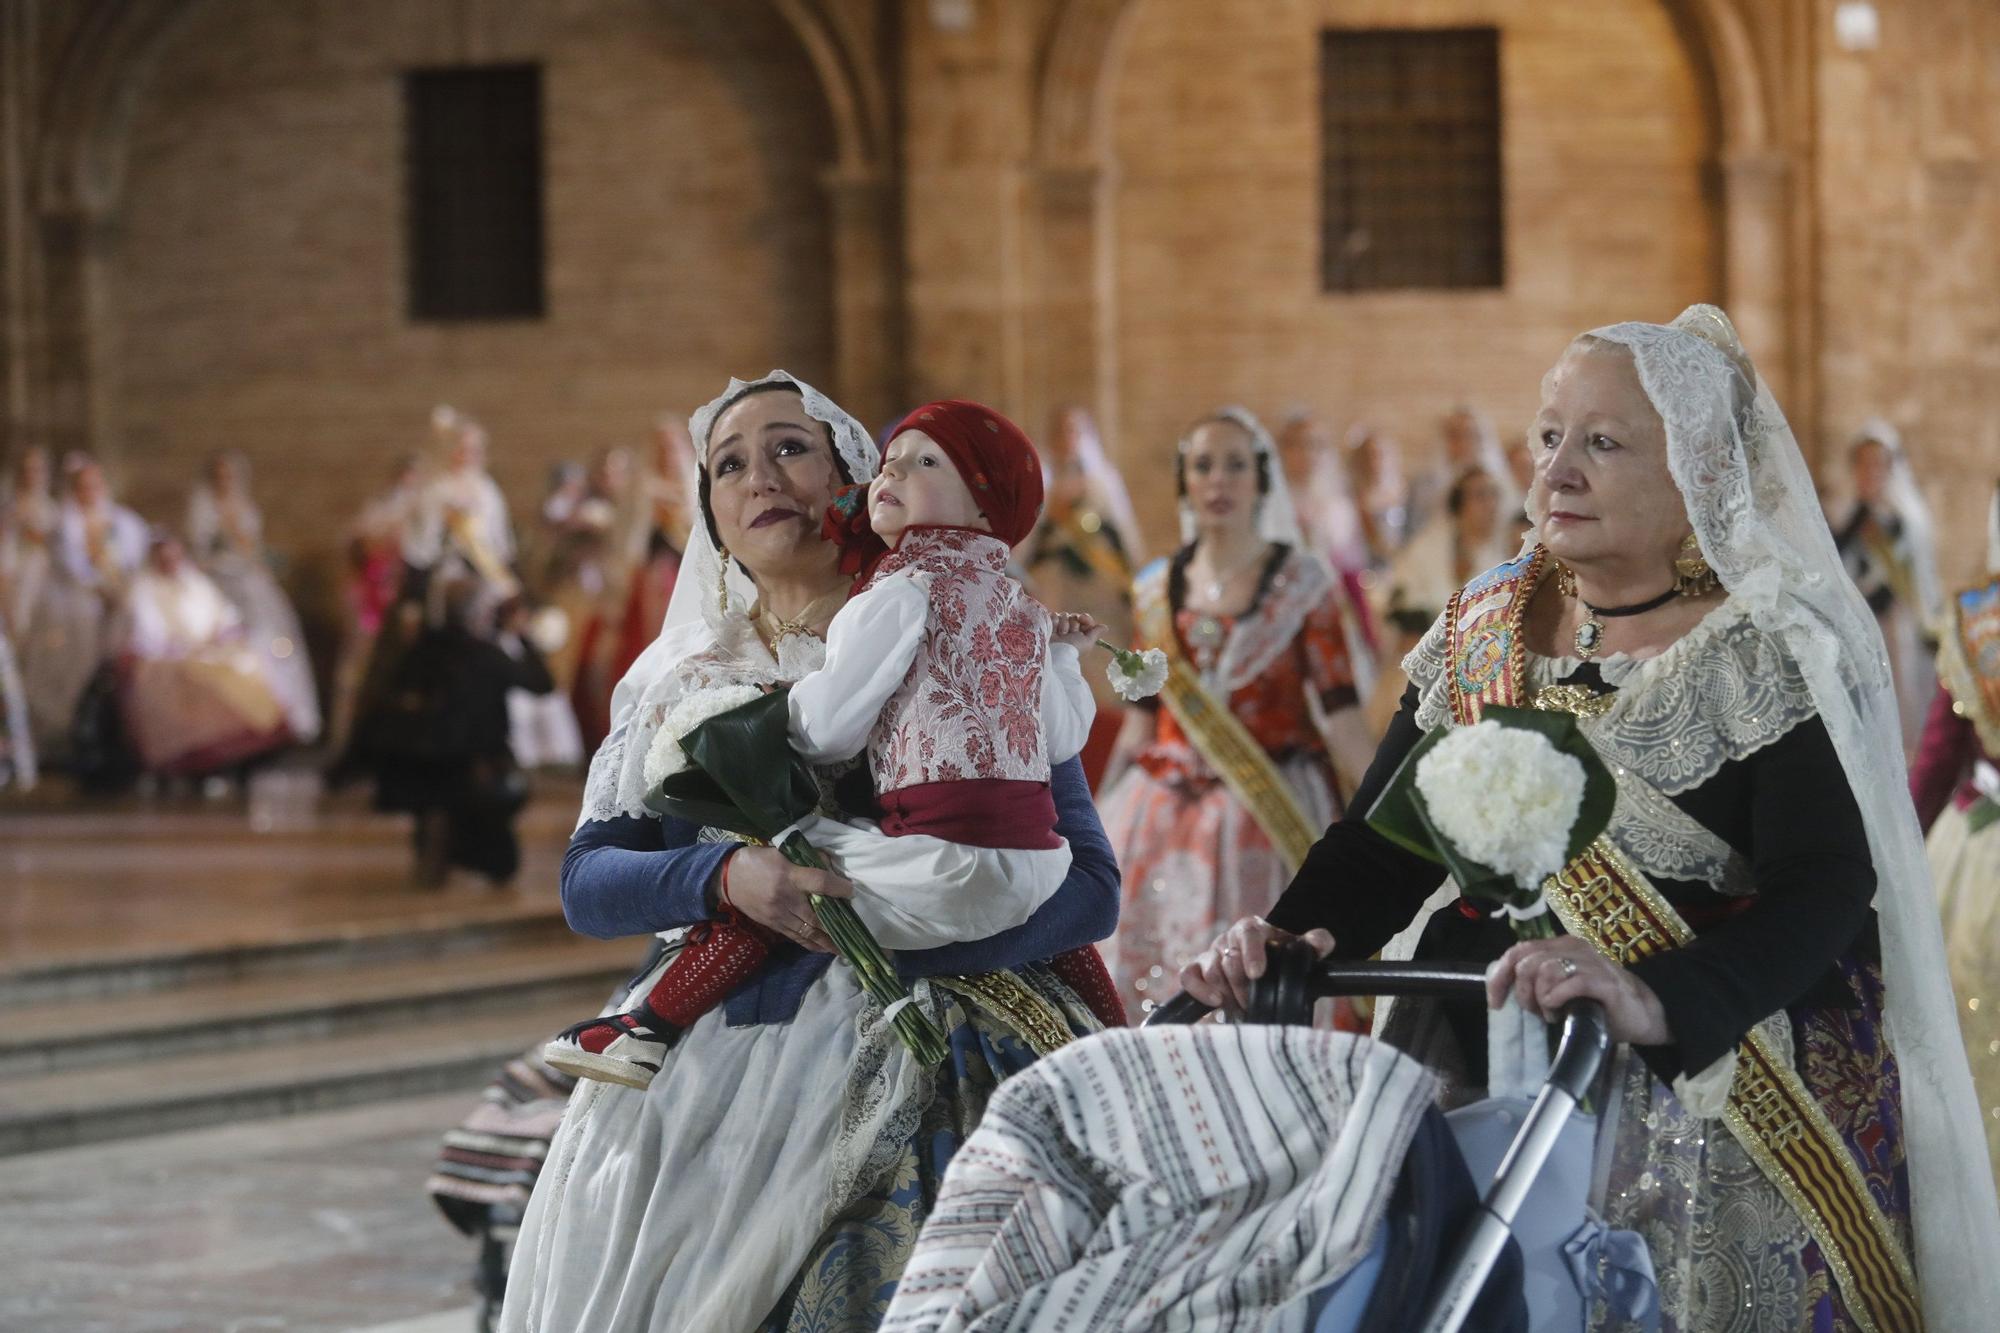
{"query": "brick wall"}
(1608, 216)
(257, 291)
(1909, 221)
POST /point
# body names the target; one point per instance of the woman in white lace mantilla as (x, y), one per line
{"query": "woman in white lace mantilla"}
(811, 1138)
(1681, 594)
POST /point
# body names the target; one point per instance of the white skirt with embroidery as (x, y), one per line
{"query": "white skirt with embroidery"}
(690, 1206)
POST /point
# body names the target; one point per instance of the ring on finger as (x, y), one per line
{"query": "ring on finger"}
(1229, 952)
(1567, 966)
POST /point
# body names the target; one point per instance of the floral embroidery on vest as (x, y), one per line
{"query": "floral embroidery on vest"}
(971, 704)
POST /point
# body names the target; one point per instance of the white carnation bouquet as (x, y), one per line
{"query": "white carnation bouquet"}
(1503, 804)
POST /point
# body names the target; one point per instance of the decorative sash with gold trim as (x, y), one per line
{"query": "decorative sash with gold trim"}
(1969, 659)
(1605, 900)
(1220, 739)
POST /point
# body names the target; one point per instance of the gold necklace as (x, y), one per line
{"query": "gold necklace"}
(775, 627)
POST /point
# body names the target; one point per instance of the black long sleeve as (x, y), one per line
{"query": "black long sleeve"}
(1797, 822)
(1355, 882)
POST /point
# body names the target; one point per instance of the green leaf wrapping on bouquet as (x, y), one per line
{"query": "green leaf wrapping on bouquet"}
(743, 774)
(1400, 815)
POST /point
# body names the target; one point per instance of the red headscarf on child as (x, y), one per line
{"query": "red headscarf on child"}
(998, 464)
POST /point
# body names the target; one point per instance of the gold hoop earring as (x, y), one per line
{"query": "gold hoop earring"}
(722, 581)
(1692, 575)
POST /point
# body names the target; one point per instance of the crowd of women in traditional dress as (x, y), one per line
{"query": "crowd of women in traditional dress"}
(132, 647)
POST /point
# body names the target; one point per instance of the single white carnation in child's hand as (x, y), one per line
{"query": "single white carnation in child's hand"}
(1136, 676)
(665, 757)
(1506, 797)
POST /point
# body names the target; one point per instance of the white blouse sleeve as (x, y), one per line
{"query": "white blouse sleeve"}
(1068, 707)
(869, 648)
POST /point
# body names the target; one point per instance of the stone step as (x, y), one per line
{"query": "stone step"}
(126, 1099)
(450, 931)
(246, 1011)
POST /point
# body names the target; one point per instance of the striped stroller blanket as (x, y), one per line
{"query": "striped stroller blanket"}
(1169, 1177)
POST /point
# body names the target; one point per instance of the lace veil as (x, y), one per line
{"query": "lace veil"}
(1277, 520)
(697, 620)
(1754, 510)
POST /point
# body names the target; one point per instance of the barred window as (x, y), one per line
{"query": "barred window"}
(1410, 173)
(474, 172)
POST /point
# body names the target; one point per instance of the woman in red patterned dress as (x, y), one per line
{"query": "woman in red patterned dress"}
(1246, 752)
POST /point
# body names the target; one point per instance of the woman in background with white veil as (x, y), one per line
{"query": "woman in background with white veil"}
(1791, 1127)
(1238, 764)
(1888, 543)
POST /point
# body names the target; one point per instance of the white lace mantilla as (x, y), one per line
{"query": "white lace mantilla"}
(1723, 691)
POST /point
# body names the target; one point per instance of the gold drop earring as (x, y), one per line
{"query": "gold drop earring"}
(722, 581)
(1692, 575)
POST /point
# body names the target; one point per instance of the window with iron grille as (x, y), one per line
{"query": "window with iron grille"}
(1410, 172)
(474, 171)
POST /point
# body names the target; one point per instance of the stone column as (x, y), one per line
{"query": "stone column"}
(868, 314)
(75, 389)
(1071, 357)
(1757, 262)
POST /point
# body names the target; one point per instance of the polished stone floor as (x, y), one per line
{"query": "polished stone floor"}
(92, 881)
(312, 1223)
(307, 1224)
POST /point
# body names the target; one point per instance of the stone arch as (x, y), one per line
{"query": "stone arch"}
(1080, 63)
(1762, 247)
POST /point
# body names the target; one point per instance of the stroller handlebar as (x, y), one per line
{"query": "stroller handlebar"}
(1295, 978)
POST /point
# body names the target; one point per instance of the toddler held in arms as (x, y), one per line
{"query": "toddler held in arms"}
(961, 689)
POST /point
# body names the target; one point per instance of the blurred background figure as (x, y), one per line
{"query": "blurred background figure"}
(1254, 617)
(1467, 537)
(1381, 492)
(225, 531)
(99, 544)
(1080, 557)
(1330, 524)
(440, 742)
(27, 532)
(198, 690)
(27, 528)
(372, 583)
(463, 524)
(1888, 543)
(666, 486)
(1466, 439)
(1955, 782)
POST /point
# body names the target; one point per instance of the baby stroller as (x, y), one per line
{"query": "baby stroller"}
(1441, 1258)
(1470, 1283)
